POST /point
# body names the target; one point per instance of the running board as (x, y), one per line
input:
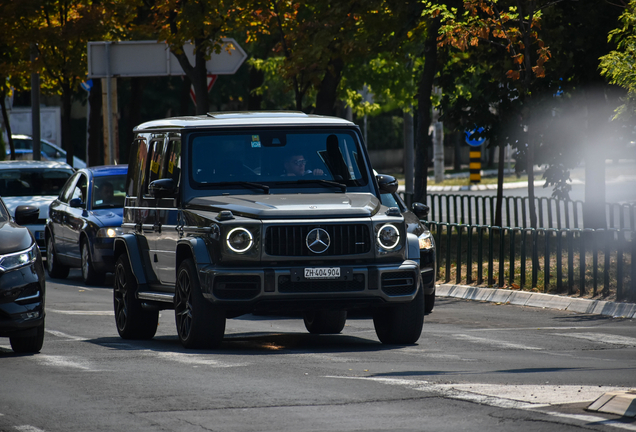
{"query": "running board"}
(156, 296)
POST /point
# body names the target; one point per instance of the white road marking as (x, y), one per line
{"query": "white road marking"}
(602, 338)
(65, 362)
(79, 312)
(527, 397)
(28, 428)
(65, 336)
(496, 343)
(192, 359)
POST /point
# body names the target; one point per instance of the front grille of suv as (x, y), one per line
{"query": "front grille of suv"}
(398, 283)
(290, 240)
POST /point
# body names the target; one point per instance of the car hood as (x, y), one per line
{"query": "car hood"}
(109, 217)
(300, 206)
(42, 202)
(14, 238)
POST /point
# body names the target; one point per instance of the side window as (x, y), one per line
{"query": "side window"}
(50, 151)
(65, 195)
(136, 171)
(154, 161)
(80, 189)
(172, 166)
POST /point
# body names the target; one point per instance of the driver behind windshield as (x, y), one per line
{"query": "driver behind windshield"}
(295, 165)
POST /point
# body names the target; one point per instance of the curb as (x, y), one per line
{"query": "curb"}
(540, 300)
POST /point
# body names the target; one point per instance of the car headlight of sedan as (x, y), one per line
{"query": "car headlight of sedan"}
(388, 236)
(426, 240)
(18, 259)
(239, 240)
(109, 232)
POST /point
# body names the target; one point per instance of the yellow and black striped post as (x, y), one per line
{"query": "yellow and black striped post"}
(475, 166)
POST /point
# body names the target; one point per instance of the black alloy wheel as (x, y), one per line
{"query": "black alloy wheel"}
(133, 321)
(199, 323)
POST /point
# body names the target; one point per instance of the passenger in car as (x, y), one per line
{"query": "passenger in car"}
(295, 165)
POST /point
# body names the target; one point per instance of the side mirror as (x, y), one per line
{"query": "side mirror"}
(76, 203)
(26, 215)
(162, 188)
(420, 210)
(387, 183)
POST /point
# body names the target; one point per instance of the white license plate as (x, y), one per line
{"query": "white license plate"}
(322, 273)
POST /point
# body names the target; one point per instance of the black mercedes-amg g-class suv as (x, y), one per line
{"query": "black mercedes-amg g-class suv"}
(265, 212)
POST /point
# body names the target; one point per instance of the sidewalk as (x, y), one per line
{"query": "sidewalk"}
(533, 299)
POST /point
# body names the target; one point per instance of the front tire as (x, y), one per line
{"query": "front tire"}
(325, 322)
(200, 324)
(400, 325)
(90, 276)
(133, 321)
(28, 344)
(53, 267)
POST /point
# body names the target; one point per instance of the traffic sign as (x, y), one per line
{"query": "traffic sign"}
(211, 80)
(474, 142)
(151, 58)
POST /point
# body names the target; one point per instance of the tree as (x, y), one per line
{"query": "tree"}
(61, 29)
(14, 63)
(203, 23)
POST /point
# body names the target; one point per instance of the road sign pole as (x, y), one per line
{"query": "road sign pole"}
(475, 166)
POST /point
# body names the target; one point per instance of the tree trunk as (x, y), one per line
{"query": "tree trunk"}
(500, 180)
(257, 78)
(596, 128)
(198, 75)
(532, 208)
(328, 90)
(5, 117)
(425, 88)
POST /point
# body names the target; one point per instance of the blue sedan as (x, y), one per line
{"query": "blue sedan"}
(83, 222)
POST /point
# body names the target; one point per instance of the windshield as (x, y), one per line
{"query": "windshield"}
(109, 191)
(277, 158)
(32, 182)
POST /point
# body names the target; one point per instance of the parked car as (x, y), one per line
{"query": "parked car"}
(22, 282)
(268, 212)
(33, 183)
(49, 151)
(83, 222)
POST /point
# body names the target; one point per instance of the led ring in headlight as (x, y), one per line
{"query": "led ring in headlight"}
(239, 240)
(388, 236)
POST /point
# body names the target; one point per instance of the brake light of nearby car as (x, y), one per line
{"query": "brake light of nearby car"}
(16, 260)
(109, 232)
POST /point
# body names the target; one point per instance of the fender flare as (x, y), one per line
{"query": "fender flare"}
(128, 243)
(194, 247)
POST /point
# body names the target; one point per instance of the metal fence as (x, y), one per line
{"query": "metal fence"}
(571, 261)
(551, 212)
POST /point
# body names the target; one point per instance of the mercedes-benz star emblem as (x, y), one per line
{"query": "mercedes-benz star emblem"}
(318, 240)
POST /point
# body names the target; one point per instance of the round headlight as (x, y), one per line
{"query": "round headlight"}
(388, 236)
(239, 240)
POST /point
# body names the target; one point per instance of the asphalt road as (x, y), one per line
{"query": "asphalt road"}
(478, 366)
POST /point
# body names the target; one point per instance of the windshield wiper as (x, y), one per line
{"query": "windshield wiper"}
(342, 186)
(251, 185)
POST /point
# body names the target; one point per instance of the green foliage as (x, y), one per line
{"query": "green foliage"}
(619, 66)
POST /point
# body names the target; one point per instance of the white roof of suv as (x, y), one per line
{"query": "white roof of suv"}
(246, 118)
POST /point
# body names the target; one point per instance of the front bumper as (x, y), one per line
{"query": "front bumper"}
(22, 299)
(358, 285)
